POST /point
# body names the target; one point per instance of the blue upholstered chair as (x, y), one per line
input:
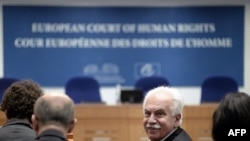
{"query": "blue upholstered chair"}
(213, 89)
(83, 89)
(147, 83)
(5, 82)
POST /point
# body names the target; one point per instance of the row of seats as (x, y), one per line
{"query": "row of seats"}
(86, 89)
(213, 89)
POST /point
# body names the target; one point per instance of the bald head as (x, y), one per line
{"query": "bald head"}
(54, 108)
(55, 100)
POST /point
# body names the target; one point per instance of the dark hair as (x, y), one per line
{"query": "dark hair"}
(19, 99)
(232, 113)
(51, 111)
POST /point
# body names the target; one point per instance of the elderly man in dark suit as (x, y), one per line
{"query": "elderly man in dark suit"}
(162, 107)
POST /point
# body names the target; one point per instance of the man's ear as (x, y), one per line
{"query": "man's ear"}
(72, 126)
(178, 118)
(34, 123)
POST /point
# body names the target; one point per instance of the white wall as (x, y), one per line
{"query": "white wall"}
(109, 94)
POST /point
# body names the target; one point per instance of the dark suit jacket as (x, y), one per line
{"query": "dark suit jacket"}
(178, 135)
(51, 135)
(17, 130)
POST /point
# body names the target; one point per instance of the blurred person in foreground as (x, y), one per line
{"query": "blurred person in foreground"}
(162, 107)
(17, 104)
(233, 113)
(53, 117)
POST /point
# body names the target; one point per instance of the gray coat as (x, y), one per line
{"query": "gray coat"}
(17, 130)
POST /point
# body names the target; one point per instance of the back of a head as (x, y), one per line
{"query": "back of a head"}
(232, 113)
(54, 109)
(19, 99)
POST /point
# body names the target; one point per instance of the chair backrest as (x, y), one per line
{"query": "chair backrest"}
(147, 83)
(5, 82)
(83, 89)
(213, 89)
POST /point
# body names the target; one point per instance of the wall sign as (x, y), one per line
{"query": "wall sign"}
(121, 44)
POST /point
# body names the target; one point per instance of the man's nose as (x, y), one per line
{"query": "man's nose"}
(151, 119)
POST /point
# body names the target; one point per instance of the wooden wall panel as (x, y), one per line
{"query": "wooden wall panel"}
(98, 122)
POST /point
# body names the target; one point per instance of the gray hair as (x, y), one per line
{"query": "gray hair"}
(176, 96)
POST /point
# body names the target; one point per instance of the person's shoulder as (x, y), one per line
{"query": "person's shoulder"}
(4, 131)
(179, 135)
(3, 134)
(182, 136)
(18, 123)
(15, 131)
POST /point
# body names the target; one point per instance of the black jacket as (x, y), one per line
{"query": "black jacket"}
(178, 135)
